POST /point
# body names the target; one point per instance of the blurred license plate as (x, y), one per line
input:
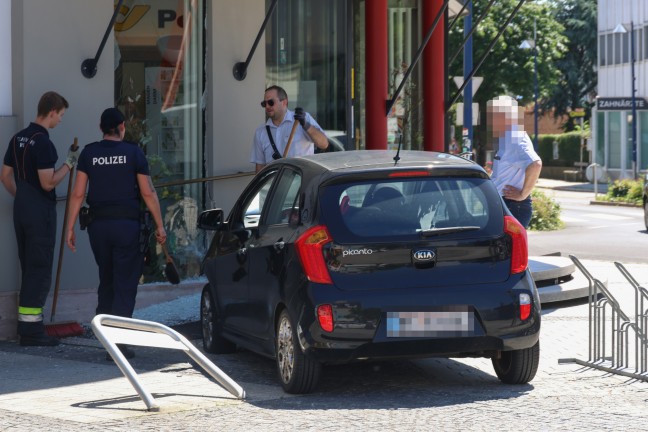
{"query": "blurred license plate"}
(430, 324)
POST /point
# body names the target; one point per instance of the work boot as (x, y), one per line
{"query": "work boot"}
(38, 340)
(127, 352)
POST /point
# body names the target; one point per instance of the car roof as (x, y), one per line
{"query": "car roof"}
(370, 160)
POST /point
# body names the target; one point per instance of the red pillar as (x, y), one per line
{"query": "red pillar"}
(376, 75)
(434, 81)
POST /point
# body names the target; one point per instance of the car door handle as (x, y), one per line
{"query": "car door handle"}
(279, 245)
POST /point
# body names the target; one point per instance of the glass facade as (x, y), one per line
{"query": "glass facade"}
(306, 54)
(159, 58)
(614, 140)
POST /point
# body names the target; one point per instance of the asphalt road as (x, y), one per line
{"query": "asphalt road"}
(593, 231)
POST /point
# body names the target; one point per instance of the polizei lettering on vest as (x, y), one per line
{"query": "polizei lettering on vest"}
(109, 160)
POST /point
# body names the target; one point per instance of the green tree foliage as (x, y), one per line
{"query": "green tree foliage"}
(576, 87)
(509, 69)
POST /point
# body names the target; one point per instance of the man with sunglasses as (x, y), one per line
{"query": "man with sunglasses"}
(271, 138)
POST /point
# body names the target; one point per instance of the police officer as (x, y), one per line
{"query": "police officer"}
(29, 174)
(115, 174)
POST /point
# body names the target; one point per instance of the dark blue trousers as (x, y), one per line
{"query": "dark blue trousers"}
(522, 210)
(116, 250)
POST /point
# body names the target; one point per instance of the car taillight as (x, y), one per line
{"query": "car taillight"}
(309, 248)
(519, 244)
(325, 317)
(525, 306)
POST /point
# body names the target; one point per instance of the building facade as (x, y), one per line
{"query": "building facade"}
(620, 140)
(169, 65)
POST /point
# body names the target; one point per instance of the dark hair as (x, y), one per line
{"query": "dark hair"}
(51, 101)
(111, 118)
(281, 93)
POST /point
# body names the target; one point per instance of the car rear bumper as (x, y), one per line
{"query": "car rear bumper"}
(361, 329)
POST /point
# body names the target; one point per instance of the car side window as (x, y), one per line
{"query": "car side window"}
(283, 208)
(254, 205)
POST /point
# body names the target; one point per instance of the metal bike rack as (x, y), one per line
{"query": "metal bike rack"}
(617, 328)
(111, 330)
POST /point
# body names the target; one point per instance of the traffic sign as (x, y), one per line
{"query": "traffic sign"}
(476, 82)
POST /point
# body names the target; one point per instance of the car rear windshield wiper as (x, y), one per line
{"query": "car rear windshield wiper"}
(449, 230)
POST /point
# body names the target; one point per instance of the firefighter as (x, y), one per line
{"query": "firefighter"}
(29, 175)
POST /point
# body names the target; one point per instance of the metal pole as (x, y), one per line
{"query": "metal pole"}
(535, 88)
(634, 103)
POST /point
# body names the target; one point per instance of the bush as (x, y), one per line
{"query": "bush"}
(626, 191)
(546, 213)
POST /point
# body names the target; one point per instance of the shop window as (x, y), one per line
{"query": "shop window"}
(614, 140)
(159, 61)
(306, 54)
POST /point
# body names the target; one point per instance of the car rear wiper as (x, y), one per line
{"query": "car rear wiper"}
(449, 230)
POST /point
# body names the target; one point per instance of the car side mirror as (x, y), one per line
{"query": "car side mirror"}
(211, 219)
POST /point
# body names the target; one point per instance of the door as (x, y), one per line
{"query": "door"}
(267, 253)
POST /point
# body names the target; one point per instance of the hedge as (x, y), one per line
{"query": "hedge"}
(568, 149)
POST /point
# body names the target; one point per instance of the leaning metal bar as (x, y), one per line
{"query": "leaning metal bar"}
(417, 56)
(472, 30)
(483, 57)
(240, 68)
(89, 66)
(101, 321)
(204, 180)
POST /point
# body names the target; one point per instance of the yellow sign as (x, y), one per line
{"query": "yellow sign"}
(577, 114)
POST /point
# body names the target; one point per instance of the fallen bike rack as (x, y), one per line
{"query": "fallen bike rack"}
(111, 330)
(617, 328)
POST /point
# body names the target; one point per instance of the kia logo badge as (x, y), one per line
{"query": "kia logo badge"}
(424, 256)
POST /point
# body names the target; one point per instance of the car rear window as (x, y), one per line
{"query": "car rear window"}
(401, 207)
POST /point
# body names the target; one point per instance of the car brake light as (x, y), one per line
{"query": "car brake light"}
(325, 317)
(409, 174)
(519, 244)
(525, 306)
(309, 248)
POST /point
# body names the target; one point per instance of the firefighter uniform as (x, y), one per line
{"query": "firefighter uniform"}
(34, 215)
(114, 200)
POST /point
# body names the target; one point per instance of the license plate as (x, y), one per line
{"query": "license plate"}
(430, 324)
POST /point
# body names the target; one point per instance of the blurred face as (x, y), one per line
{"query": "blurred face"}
(274, 108)
(499, 118)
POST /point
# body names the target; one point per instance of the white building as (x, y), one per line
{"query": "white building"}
(612, 120)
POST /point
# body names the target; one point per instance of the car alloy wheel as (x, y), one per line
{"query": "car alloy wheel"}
(517, 366)
(646, 214)
(298, 372)
(213, 342)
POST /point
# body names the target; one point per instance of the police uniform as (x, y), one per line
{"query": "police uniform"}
(34, 216)
(114, 200)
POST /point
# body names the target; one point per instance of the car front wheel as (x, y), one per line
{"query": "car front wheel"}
(518, 366)
(298, 373)
(646, 214)
(213, 342)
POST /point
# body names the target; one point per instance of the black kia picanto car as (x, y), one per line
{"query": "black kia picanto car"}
(359, 255)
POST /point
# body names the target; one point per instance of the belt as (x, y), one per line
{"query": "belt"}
(115, 212)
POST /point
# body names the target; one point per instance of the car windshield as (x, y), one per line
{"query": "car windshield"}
(429, 206)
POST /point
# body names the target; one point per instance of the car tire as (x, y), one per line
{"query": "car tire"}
(645, 206)
(298, 373)
(213, 341)
(517, 366)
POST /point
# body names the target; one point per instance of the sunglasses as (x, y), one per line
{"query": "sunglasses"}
(269, 102)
